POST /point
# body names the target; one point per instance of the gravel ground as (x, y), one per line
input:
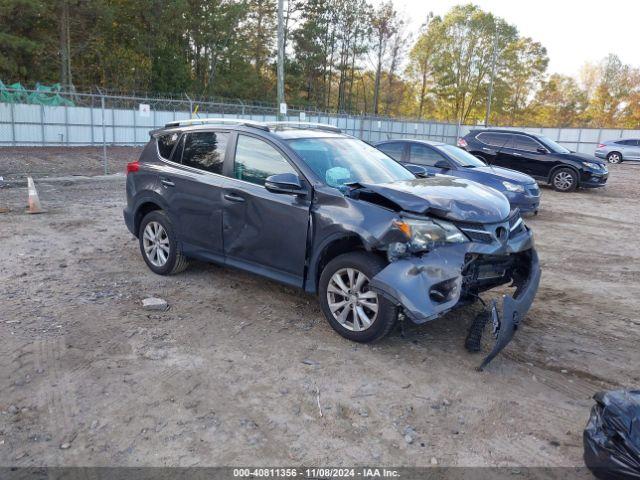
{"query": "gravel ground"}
(240, 370)
(17, 162)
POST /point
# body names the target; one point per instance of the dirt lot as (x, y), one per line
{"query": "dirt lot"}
(235, 371)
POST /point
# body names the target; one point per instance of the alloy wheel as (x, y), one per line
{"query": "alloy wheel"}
(614, 158)
(351, 302)
(563, 181)
(155, 242)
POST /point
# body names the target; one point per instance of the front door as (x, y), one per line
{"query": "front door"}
(263, 232)
(426, 157)
(530, 156)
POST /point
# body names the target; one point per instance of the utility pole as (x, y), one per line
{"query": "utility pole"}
(493, 73)
(282, 107)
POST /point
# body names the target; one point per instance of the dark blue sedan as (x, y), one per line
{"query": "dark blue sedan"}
(437, 157)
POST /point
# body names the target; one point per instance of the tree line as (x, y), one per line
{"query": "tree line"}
(341, 55)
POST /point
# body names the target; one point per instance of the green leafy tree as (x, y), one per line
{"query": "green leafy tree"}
(27, 41)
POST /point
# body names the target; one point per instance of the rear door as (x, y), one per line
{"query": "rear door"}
(492, 143)
(426, 157)
(194, 181)
(264, 232)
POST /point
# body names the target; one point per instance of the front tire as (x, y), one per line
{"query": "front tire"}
(564, 180)
(351, 308)
(614, 157)
(158, 244)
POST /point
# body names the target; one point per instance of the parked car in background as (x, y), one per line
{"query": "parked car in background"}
(313, 208)
(538, 156)
(521, 190)
(617, 151)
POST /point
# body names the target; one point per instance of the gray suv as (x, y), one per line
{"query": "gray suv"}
(313, 208)
(617, 151)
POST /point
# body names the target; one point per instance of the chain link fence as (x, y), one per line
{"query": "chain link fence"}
(108, 120)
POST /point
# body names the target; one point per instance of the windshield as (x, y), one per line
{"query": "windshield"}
(551, 145)
(462, 157)
(339, 161)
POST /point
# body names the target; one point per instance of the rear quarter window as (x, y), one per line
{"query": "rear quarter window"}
(166, 143)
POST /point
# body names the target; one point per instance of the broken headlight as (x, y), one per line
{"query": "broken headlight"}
(513, 187)
(423, 235)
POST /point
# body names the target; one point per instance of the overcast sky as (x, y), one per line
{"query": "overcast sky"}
(573, 31)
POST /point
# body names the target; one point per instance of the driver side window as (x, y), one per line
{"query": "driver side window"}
(526, 144)
(421, 155)
(255, 160)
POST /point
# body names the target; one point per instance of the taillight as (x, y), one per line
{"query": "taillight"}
(462, 142)
(601, 145)
(132, 167)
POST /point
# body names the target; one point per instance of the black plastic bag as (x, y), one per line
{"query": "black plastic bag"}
(612, 436)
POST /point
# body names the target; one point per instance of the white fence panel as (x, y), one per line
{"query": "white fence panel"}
(25, 124)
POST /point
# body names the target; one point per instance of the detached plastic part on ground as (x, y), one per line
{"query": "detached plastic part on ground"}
(612, 436)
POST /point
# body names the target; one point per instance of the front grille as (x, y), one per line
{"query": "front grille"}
(477, 235)
(482, 233)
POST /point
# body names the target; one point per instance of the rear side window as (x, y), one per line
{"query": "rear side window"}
(495, 139)
(166, 143)
(205, 151)
(256, 160)
(421, 155)
(394, 150)
(631, 143)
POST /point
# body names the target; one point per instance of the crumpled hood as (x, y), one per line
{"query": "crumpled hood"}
(445, 196)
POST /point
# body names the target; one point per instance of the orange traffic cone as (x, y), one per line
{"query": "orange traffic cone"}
(34, 200)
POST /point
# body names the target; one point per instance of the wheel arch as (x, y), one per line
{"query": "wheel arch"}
(144, 205)
(329, 249)
(615, 151)
(560, 167)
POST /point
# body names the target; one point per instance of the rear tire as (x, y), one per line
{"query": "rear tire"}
(564, 180)
(614, 157)
(159, 246)
(365, 316)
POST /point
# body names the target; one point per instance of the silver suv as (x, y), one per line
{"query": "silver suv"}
(617, 151)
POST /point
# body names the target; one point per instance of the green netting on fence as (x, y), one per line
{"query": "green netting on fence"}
(41, 95)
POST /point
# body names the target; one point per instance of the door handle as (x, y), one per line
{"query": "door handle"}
(232, 197)
(167, 183)
(516, 154)
(486, 149)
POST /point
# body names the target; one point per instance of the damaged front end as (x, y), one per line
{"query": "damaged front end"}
(436, 265)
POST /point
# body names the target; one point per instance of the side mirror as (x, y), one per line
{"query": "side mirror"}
(417, 170)
(288, 183)
(443, 164)
(542, 150)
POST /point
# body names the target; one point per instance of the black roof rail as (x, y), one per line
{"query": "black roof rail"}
(302, 125)
(219, 121)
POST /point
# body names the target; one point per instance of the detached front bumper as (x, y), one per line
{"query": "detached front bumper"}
(429, 286)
